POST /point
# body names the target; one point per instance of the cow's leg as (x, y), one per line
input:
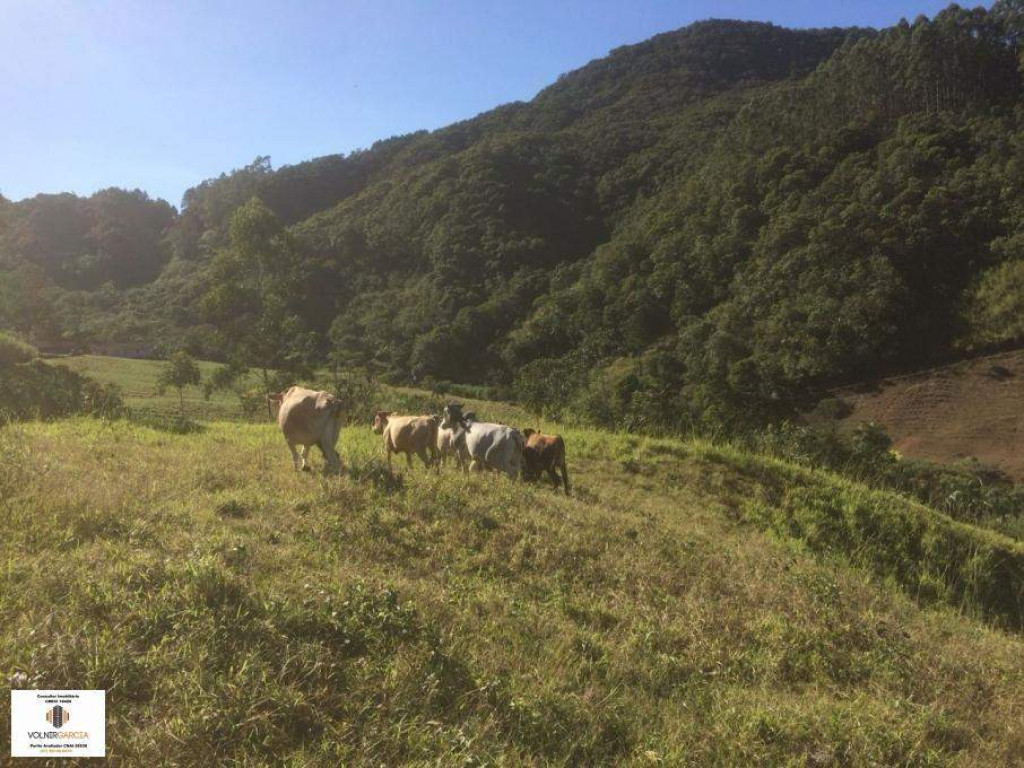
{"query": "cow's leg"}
(499, 458)
(305, 459)
(330, 455)
(335, 434)
(565, 475)
(424, 457)
(553, 476)
(295, 456)
(408, 459)
(515, 464)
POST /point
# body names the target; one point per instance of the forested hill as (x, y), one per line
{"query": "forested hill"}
(709, 226)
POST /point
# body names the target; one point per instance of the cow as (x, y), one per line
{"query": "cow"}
(309, 418)
(408, 435)
(447, 444)
(490, 446)
(544, 453)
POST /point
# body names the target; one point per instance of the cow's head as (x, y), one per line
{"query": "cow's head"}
(274, 400)
(337, 407)
(453, 416)
(380, 420)
(527, 432)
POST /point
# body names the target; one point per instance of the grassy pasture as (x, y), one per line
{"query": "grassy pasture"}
(137, 380)
(677, 609)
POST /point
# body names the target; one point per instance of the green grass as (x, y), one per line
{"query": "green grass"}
(138, 382)
(238, 612)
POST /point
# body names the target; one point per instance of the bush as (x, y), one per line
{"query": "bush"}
(36, 390)
(14, 351)
(972, 493)
(547, 385)
(358, 392)
(996, 306)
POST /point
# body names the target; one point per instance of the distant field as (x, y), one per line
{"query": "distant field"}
(137, 380)
(689, 604)
(971, 409)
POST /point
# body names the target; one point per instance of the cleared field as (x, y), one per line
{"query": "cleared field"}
(971, 409)
(688, 605)
(138, 382)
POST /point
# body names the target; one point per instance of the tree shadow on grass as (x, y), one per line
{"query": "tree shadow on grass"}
(376, 473)
(175, 424)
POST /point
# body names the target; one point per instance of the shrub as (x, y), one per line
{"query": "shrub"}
(40, 391)
(358, 392)
(996, 306)
(971, 492)
(547, 385)
(14, 351)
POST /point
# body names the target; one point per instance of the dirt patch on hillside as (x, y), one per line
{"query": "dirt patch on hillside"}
(969, 409)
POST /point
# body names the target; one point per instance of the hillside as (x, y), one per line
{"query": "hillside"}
(968, 410)
(711, 228)
(236, 610)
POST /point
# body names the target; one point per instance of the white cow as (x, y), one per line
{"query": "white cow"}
(491, 446)
(309, 418)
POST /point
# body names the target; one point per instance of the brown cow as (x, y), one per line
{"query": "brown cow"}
(544, 453)
(309, 418)
(408, 435)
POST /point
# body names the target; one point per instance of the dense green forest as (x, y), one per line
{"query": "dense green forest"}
(707, 228)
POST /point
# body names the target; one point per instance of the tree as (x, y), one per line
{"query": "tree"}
(181, 371)
(256, 285)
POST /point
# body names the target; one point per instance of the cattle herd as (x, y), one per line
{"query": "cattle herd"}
(309, 418)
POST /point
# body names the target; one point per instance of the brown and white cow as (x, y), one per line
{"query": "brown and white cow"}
(544, 453)
(448, 446)
(309, 418)
(409, 435)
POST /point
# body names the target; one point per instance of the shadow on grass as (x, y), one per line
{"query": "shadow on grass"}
(376, 473)
(175, 424)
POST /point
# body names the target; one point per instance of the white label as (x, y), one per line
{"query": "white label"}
(58, 723)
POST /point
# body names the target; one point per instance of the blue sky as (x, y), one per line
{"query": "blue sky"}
(160, 95)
